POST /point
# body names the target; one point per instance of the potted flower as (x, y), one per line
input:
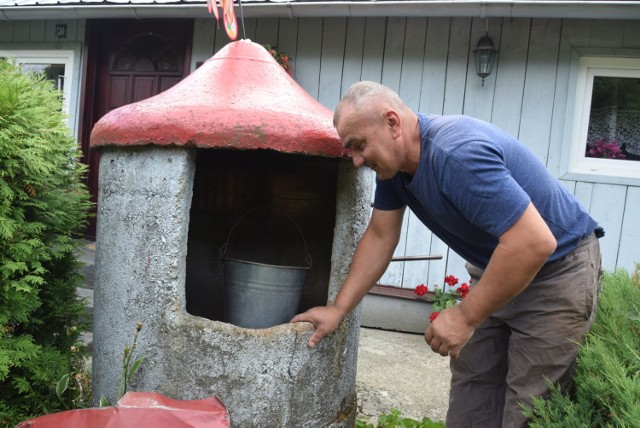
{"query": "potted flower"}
(282, 58)
(443, 299)
(605, 149)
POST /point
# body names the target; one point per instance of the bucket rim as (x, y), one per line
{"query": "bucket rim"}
(223, 249)
(264, 264)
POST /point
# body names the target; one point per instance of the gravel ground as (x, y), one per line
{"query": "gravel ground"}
(398, 370)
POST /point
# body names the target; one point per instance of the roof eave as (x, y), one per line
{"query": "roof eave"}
(445, 8)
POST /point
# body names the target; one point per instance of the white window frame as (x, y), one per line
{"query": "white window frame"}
(577, 166)
(53, 56)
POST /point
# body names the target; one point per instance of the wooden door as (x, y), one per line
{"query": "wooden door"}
(128, 61)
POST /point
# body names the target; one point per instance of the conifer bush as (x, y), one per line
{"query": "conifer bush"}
(43, 208)
(607, 392)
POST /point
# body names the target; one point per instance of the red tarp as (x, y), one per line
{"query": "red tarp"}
(140, 410)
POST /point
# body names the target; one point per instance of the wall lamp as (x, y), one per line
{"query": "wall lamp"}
(485, 54)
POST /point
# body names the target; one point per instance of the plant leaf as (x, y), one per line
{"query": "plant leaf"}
(103, 401)
(135, 366)
(62, 385)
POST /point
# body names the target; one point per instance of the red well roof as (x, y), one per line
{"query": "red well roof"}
(240, 98)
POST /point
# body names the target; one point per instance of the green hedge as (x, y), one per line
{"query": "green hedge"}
(43, 208)
(607, 392)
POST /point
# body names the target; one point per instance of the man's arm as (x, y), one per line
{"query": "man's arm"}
(522, 250)
(371, 258)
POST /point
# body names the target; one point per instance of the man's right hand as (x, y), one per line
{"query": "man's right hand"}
(370, 260)
(325, 319)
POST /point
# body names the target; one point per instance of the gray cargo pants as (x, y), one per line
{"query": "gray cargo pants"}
(529, 339)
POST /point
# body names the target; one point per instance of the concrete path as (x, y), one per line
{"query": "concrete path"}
(398, 370)
(395, 370)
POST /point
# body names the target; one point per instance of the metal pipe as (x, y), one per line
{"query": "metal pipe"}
(415, 258)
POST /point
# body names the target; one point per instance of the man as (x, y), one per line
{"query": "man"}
(531, 248)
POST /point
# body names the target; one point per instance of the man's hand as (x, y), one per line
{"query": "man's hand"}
(325, 318)
(370, 260)
(449, 332)
(520, 253)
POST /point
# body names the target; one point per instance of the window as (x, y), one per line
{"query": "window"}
(57, 65)
(605, 141)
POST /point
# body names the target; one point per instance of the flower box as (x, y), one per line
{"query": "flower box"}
(396, 309)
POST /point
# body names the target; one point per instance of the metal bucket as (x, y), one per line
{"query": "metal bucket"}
(260, 295)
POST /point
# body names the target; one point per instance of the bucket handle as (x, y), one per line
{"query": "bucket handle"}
(223, 249)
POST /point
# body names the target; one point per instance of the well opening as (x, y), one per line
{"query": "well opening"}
(267, 196)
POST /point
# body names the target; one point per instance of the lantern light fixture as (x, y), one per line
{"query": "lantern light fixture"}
(485, 54)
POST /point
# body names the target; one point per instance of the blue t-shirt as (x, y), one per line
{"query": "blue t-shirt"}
(474, 181)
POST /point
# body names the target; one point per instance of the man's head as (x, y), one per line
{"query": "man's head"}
(361, 96)
(369, 121)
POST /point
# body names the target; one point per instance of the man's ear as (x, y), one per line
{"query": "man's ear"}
(393, 121)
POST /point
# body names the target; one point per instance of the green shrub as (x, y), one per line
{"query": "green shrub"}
(607, 392)
(43, 206)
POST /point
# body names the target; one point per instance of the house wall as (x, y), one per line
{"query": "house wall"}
(41, 35)
(429, 62)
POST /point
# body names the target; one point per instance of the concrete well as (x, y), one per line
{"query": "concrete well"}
(168, 196)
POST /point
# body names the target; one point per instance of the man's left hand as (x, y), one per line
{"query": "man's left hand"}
(449, 332)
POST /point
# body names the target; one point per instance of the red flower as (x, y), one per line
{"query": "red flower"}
(433, 315)
(605, 149)
(463, 290)
(451, 280)
(281, 58)
(421, 290)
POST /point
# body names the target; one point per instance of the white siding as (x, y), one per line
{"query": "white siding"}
(630, 238)
(574, 33)
(539, 87)
(332, 59)
(510, 77)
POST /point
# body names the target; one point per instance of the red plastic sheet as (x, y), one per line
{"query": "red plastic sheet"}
(140, 410)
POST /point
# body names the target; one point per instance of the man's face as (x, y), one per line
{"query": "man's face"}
(369, 140)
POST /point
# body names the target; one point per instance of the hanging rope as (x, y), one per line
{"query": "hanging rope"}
(244, 33)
